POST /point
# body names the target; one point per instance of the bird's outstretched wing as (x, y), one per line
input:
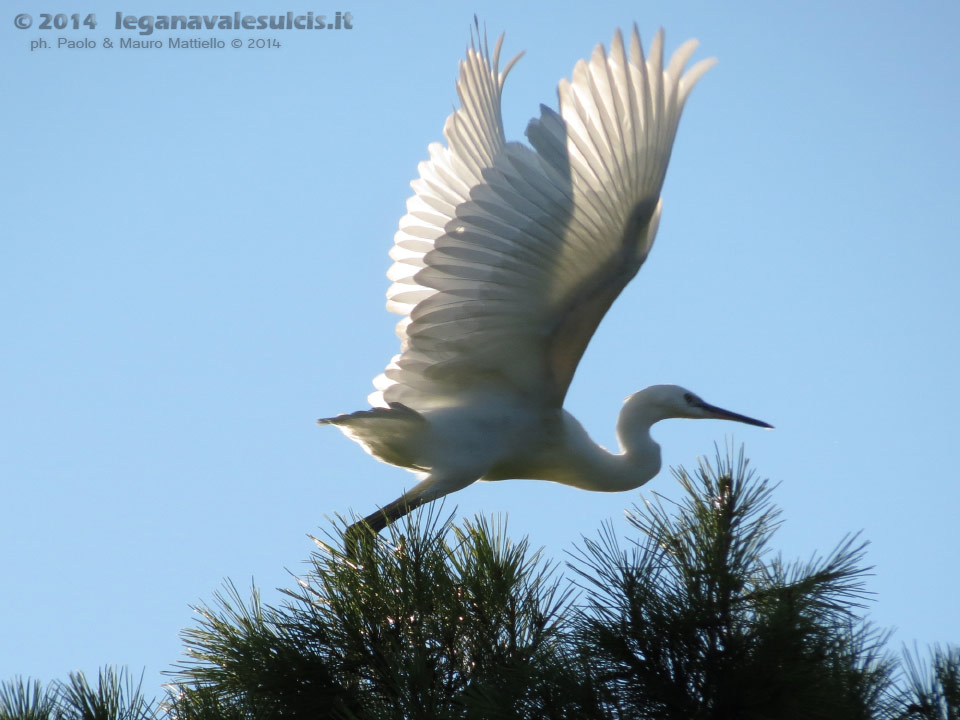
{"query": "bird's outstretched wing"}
(508, 258)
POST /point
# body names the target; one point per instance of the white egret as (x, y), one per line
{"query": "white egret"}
(504, 265)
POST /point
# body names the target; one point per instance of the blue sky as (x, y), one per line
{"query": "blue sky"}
(192, 270)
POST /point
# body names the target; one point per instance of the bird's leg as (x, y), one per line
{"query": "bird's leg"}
(430, 488)
(377, 521)
(373, 523)
(366, 530)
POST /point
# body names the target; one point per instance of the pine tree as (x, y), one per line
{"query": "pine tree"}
(434, 621)
(691, 616)
(699, 620)
(114, 697)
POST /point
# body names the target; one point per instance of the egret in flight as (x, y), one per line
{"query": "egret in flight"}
(504, 265)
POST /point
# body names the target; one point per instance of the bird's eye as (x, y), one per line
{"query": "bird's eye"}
(691, 399)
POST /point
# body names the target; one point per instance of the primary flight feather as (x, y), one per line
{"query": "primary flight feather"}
(503, 266)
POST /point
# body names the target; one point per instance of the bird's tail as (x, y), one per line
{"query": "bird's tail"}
(390, 434)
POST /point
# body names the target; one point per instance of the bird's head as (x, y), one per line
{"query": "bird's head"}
(660, 402)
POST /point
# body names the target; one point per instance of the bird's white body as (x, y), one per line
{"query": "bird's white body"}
(504, 265)
(507, 440)
(497, 439)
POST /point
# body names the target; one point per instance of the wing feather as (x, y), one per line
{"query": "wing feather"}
(508, 258)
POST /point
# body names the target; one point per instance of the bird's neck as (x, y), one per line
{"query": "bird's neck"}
(640, 455)
(640, 458)
(579, 461)
(599, 469)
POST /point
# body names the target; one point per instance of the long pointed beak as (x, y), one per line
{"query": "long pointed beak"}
(721, 414)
